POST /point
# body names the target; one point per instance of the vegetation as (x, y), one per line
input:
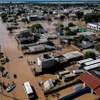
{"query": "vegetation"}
(97, 46)
(79, 39)
(2, 69)
(71, 24)
(50, 43)
(1, 54)
(89, 54)
(10, 29)
(69, 32)
(79, 14)
(37, 28)
(4, 16)
(92, 17)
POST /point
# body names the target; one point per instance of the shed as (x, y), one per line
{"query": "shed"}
(73, 55)
(48, 84)
(37, 48)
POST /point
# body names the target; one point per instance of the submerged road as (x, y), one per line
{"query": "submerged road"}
(16, 66)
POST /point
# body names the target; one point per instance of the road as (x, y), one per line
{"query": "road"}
(17, 66)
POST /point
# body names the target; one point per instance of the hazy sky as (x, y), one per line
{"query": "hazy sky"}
(45, 0)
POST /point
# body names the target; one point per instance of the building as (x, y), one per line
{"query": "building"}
(45, 61)
(48, 84)
(86, 33)
(92, 38)
(25, 36)
(92, 80)
(73, 55)
(36, 48)
(85, 45)
(94, 26)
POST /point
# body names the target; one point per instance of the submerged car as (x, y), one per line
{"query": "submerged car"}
(10, 87)
(4, 74)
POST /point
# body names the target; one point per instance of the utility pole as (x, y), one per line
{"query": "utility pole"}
(58, 48)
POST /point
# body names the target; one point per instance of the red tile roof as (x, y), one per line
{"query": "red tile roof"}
(92, 79)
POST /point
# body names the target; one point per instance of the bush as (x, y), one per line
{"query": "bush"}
(2, 68)
(89, 54)
(3, 15)
(71, 24)
(79, 14)
(9, 29)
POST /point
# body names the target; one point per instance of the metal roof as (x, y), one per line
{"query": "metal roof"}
(92, 66)
(72, 55)
(85, 60)
(92, 79)
(92, 62)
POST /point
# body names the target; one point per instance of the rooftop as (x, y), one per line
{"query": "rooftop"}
(92, 79)
(45, 57)
(72, 54)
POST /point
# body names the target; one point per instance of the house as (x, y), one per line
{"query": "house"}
(92, 38)
(45, 61)
(92, 80)
(25, 37)
(48, 84)
(35, 17)
(94, 26)
(73, 55)
(36, 48)
(85, 45)
(86, 33)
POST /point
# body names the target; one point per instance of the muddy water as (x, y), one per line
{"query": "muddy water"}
(16, 66)
(20, 66)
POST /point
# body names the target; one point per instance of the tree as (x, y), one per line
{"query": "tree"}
(10, 29)
(71, 24)
(97, 46)
(37, 28)
(91, 17)
(89, 54)
(79, 14)
(3, 15)
(2, 69)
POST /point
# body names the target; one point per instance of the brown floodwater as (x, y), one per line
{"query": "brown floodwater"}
(22, 69)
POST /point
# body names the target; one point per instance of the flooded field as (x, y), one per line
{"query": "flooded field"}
(20, 67)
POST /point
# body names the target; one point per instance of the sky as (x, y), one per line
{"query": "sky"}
(45, 0)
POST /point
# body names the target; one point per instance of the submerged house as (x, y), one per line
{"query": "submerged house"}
(74, 55)
(45, 61)
(25, 37)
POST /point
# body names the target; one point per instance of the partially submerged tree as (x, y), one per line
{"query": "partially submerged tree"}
(79, 14)
(90, 54)
(10, 29)
(2, 69)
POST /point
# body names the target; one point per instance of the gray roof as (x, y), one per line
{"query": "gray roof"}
(92, 38)
(37, 48)
(86, 33)
(85, 45)
(42, 58)
(93, 50)
(73, 54)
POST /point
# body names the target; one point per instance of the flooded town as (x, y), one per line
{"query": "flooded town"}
(50, 51)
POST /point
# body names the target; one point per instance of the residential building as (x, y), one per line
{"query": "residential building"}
(45, 61)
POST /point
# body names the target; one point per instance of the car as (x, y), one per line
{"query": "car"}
(4, 74)
(10, 87)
